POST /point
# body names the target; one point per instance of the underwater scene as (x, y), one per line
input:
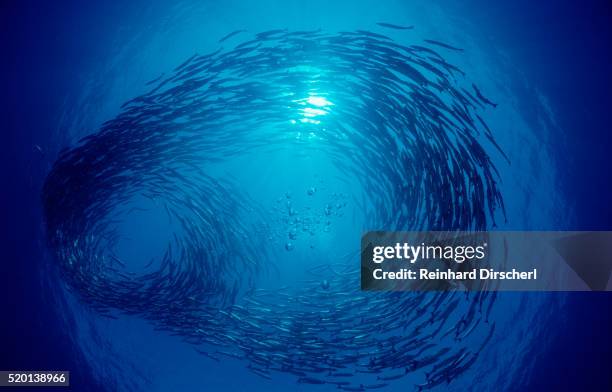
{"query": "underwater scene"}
(187, 184)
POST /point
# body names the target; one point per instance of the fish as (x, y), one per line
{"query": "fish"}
(394, 26)
(230, 35)
(348, 388)
(310, 380)
(155, 80)
(481, 97)
(443, 45)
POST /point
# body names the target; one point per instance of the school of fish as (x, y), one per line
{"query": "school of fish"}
(402, 120)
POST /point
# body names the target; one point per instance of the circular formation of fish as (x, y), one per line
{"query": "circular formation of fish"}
(402, 121)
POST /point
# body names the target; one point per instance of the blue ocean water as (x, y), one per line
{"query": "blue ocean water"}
(70, 67)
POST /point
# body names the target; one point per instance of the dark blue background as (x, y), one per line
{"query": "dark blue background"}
(566, 46)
